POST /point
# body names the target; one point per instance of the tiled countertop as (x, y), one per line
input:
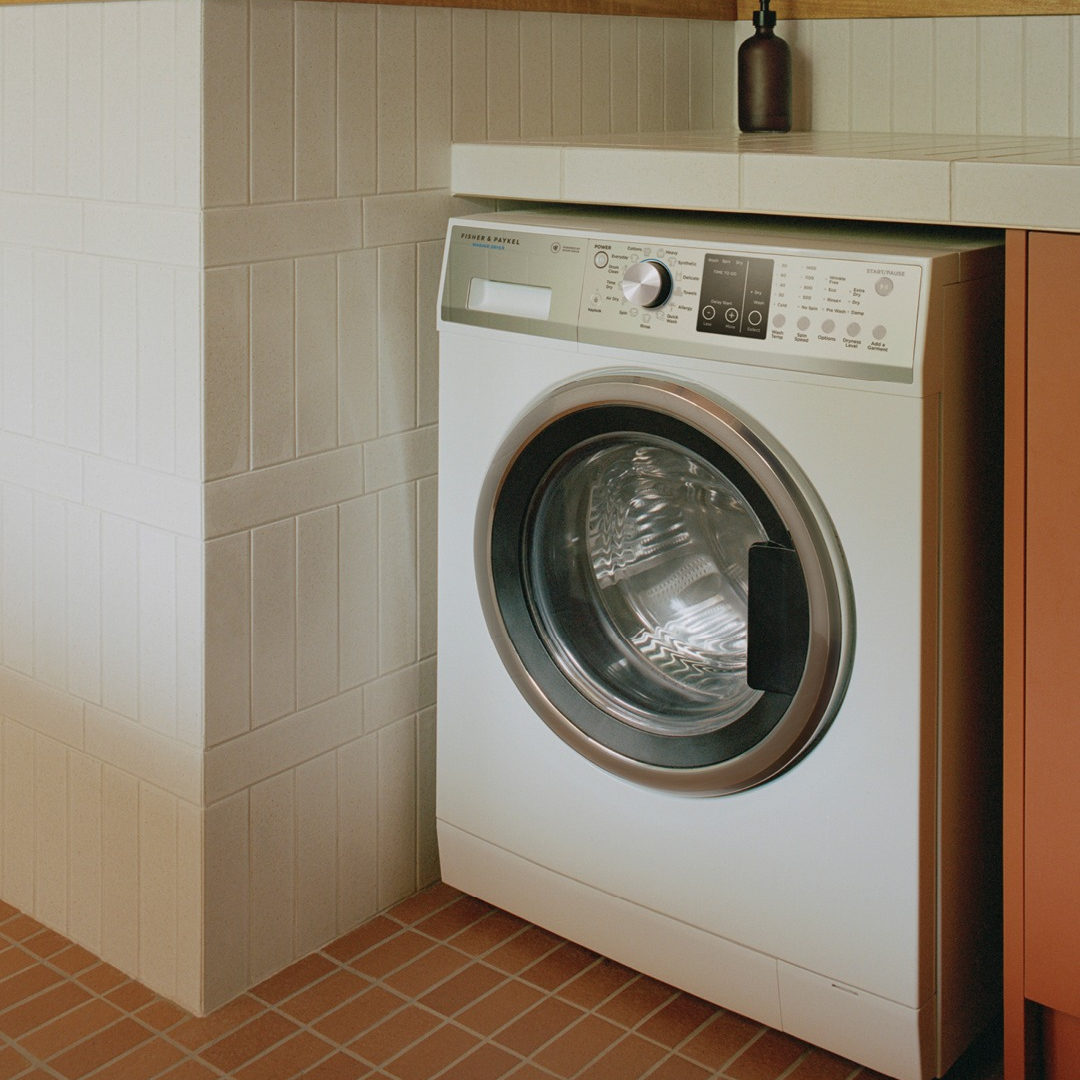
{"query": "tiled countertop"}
(1016, 181)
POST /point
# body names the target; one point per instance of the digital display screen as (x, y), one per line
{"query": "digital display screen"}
(735, 291)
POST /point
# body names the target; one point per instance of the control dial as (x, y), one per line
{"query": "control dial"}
(647, 284)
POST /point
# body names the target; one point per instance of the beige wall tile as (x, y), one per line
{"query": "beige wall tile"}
(18, 820)
(84, 850)
(316, 852)
(469, 92)
(1047, 48)
(273, 362)
(189, 905)
(396, 99)
(273, 621)
(225, 146)
(397, 812)
(566, 74)
(84, 104)
(397, 338)
(357, 822)
(356, 99)
(357, 356)
(316, 606)
(315, 130)
(272, 82)
(273, 872)
(397, 629)
(504, 46)
(358, 591)
(119, 101)
(50, 832)
(228, 638)
(227, 901)
(316, 354)
(120, 933)
(955, 83)
(158, 889)
(226, 407)
(433, 97)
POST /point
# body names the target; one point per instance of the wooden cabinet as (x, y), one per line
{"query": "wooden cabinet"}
(1042, 590)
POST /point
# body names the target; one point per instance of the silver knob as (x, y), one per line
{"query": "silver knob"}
(647, 284)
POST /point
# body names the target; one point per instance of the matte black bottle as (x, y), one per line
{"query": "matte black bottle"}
(764, 77)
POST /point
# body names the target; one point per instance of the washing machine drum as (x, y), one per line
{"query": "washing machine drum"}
(664, 585)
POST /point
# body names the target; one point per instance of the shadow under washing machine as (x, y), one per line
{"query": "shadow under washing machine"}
(719, 630)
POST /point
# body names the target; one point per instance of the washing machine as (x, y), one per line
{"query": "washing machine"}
(719, 623)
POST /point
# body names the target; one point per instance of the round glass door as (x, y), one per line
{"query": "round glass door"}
(663, 586)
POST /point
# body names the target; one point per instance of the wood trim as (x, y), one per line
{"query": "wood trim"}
(901, 9)
(1020, 1046)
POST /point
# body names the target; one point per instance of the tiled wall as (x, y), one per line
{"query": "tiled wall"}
(326, 163)
(987, 76)
(101, 608)
(220, 227)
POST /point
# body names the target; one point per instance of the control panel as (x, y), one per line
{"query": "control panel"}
(830, 313)
(839, 311)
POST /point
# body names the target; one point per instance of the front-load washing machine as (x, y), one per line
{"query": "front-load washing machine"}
(719, 660)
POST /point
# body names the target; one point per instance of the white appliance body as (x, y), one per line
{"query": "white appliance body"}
(845, 892)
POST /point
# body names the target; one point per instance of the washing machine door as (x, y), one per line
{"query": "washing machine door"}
(663, 585)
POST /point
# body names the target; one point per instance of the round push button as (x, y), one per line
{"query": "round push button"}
(600, 259)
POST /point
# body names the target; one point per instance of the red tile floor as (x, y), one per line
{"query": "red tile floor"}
(441, 986)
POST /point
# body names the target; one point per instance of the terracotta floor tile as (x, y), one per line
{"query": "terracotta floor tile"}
(341, 1066)
(101, 1048)
(435, 1006)
(362, 938)
(289, 1059)
(559, 966)
(821, 1065)
(534, 1028)
(490, 932)
(148, 1060)
(27, 1015)
(294, 978)
(355, 1017)
(522, 950)
(578, 1045)
(766, 1058)
(72, 1027)
(73, 959)
(324, 996)
(190, 1070)
(130, 996)
(45, 943)
(636, 1001)
(11, 1062)
(432, 1054)
(676, 1068)
(198, 1031)
(454, 918)
(30, 981)
(19, 927)
(389, 1038)
(12, 960)
(424, 903)
(101, 978)
(240, 1046)
(677, 1020)
(486, 1062)
(626, 1060)
(720, 1040)
(462, 989)
(162, 1015)
(598, 983)
(391, 954)
(423, 973)
(498, 1008)
(7, 911)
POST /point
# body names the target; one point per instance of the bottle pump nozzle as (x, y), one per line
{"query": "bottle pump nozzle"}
(764, 17)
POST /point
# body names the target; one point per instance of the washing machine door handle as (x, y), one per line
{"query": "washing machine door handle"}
(777, 619)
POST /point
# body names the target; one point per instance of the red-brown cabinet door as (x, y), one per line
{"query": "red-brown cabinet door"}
(1052, 736)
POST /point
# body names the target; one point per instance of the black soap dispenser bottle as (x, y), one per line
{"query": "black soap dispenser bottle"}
(764, 77)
